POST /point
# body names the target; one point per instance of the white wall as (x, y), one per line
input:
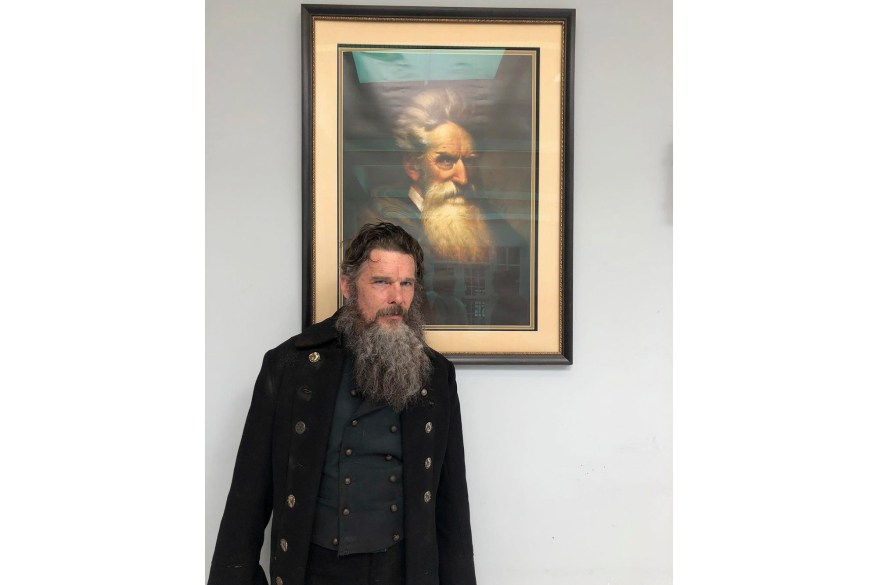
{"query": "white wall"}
(569, 467)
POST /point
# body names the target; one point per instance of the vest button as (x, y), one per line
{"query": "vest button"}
(423, 391)
(428, 427)
(427, 496)
(348, 452)
(291, 500)
(394, 507)
(355, 422)
(300, 427)
(283, 544)
(334, 542)
(388, 457)
(428, 462)
(393, 428)
(346, 512)
(392, 479)
(396, 538)
(347, 481)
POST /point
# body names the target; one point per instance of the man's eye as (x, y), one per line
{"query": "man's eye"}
(407, 283)
(445, 162)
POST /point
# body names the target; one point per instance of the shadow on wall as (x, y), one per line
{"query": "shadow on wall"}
(668, 165)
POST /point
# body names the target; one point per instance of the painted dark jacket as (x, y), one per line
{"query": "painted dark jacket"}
(280, 461)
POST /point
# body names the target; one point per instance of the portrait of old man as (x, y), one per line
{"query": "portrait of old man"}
(443, 143)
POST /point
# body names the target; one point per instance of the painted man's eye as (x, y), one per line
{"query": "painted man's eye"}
(445, 162)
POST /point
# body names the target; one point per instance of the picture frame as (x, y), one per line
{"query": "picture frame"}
(486, 188)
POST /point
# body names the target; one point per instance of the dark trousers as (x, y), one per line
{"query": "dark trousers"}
(325, 567)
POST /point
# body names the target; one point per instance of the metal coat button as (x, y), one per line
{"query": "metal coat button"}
(396, 538)
(423, 391)
(394, 428)
(428, 427)
(394, 507)
(314, 357)
(300, 427)
(427, 496)
(348, 452)
(428, 463)
(283, 544)
(388, 457)
(347, 481)
(355, 422)
(291, 500)
(346, 512)
(392, 479)
(335, 542)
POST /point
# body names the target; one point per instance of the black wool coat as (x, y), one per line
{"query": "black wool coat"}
(280, 463)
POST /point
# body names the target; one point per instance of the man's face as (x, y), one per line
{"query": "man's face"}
(385, 287)
(448, 154)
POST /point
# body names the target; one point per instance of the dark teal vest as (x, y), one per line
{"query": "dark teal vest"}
(359, 506)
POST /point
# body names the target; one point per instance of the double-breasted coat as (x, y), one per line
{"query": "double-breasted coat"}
(280, 463)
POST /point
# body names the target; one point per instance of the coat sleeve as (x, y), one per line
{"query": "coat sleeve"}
(248, 506)
(454, 535)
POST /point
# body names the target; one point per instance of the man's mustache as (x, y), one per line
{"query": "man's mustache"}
(390, 311)
(447, 190)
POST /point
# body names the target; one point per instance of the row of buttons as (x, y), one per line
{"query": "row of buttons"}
(427, 497)
(393, 428)
(428, 463)
(428, 428)
(335, 543)
(347, 511)
(348, 480)
(354, 391)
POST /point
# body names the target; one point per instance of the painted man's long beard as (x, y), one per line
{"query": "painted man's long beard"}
(454, 227)
(390, 364)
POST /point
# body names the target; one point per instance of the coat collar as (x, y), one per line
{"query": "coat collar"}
(319, 334)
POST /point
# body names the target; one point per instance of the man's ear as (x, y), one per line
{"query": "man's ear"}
(411, 168)
(345, 284)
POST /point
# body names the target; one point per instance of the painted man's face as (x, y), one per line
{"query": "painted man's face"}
(448, 157)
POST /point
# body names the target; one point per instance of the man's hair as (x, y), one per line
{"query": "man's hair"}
(381, 236)
(429, 109)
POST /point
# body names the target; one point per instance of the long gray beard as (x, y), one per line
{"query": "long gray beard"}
(454, 227)
(390, 365)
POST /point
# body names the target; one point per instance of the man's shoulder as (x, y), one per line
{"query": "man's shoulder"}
(440, 362)
(315, 336)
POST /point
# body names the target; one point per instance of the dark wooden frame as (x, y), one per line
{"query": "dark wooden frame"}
(560, 352)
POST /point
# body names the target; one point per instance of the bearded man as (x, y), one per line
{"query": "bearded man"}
(353, 441)
(438, 153)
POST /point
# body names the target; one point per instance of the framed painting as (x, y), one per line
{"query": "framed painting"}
(456, 124)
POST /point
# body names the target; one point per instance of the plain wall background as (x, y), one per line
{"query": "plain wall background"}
(569, 468)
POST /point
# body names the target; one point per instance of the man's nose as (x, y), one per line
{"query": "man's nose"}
(458, 173)
(395, 294)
